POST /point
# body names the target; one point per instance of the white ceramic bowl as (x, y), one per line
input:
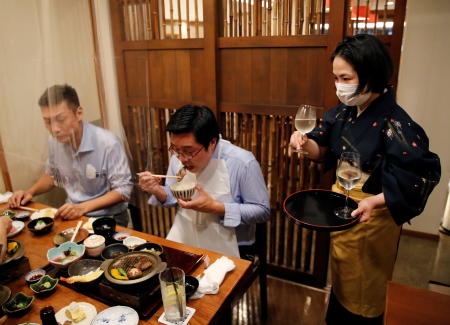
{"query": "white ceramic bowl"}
(183, 190)
(94, 244)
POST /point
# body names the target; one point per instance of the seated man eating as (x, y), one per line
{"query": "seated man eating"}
(87, 161)
(231, 193)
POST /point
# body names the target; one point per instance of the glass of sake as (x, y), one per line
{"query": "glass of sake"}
(348, 173)
(173, 293)
(305, 121)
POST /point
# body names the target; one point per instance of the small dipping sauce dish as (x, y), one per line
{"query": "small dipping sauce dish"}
(94, 244)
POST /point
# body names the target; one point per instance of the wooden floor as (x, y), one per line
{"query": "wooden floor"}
(292, 303)
(288, 303)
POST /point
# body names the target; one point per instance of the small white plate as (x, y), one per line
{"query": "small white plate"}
(89, 309)
(17, 226)
(117, 315)
(47, 212)
(132, 241)
(88, 225)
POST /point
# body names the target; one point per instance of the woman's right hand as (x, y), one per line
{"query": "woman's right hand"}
(298, 140)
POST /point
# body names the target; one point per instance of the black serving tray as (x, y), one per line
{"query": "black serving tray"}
(314, 209)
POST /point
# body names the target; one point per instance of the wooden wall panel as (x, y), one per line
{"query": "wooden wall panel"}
(279, 84)
(156, 74)
(172, 77)
(273, 76)
(136, 77)
(198, 84)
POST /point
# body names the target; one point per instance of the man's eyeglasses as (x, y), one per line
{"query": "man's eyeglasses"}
(184, 154)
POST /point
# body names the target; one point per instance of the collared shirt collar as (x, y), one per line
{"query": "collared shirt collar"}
(217, 150)
(86, 144)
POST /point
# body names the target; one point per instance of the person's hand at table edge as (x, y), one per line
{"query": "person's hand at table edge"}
(70, 211)
(19, 198)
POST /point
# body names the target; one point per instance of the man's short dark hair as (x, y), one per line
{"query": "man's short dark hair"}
(199, 120)
(56, 94)
(370, 59)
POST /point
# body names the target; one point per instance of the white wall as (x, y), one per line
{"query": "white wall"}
(43, 42)
(2, 184)
(423, 90)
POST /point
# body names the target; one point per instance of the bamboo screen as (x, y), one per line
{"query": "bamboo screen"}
(273, 17)
(161, 19)
(374, 17)
(267, 136)
(148, 144)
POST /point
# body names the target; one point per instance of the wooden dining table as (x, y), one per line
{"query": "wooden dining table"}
(208, 310)
(415, 306)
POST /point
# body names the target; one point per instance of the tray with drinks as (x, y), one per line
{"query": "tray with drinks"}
(316, 210)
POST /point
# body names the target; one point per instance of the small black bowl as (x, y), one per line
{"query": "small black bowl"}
(48, 225)
(151, 247)
(83, 267)
(191, 285)
(105, 227)
(113, 251)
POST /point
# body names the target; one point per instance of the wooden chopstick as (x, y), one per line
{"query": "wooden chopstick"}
(166, 176)
(76, 230)
(28, 209)
(161, 176)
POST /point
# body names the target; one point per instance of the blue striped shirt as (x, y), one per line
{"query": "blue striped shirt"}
(96, 168)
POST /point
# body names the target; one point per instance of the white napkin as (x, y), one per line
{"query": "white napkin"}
(213, 277)
(5, 197)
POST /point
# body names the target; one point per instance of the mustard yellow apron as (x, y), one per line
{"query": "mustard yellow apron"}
(362, 260)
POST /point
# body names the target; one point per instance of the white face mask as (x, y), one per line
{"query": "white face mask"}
(345, 94)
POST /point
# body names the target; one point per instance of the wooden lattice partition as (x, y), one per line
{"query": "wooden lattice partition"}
(252, 62)
(290, 248)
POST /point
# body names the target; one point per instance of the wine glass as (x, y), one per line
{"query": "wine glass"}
(305, 121)
(348, 173)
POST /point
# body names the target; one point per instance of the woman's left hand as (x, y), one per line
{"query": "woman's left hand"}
(366, 206)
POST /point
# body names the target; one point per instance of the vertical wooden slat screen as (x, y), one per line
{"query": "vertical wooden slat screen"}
(252, 62)
(383, 18)
(267, 136)
(375, 17)
(141, 19)
(273, 18)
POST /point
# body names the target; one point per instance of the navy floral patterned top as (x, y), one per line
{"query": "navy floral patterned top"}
(393, 149)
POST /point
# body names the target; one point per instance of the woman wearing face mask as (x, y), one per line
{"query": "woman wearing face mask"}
(399, 173)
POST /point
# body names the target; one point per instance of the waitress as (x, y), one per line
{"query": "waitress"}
(231, 193)
(399, 173)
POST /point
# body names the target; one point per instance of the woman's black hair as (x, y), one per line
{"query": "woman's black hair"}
(370, 59)
(199, 120)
